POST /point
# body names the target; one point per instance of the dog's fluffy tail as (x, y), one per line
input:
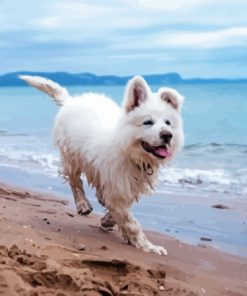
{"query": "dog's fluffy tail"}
(53, 89)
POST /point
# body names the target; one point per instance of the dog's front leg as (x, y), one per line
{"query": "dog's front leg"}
(132, 231)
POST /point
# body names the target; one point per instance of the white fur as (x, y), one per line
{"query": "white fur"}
(103, 141)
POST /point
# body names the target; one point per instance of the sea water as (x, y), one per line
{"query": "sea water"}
(212, 166)
(214, 158)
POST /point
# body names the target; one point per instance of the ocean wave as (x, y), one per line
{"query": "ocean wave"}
(33, 160)
(6, 133)
(213, 145)
(195, 176)
(218, 180)
(225, 180)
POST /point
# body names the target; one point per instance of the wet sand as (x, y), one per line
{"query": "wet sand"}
(47, 249)
(184, 214)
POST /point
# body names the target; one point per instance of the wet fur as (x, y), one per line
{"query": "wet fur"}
(99, 139)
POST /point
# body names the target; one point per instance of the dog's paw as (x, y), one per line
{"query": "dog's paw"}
(84, 208)
(156, 249)
(149, 247)
(106, 229)
(107, 222)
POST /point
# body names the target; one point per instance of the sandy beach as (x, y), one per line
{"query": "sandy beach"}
(47, 249)
(127, 96)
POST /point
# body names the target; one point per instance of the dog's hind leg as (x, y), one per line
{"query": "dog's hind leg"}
(82, 203)
(71, 171)
(107, 222)
(131, 229)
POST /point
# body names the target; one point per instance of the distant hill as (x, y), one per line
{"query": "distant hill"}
(65, 78)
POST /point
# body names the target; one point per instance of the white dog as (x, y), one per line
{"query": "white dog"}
(119, 150)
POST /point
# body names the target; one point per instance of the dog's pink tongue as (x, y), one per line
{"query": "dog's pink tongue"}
(163, 152)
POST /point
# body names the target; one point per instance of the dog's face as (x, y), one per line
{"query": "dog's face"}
(154, 123)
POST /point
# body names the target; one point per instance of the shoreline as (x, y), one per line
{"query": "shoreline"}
(50, 232)
(187, 217)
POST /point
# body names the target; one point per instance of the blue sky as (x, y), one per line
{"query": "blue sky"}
(197, 38)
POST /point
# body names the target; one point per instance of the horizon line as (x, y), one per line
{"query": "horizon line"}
(124, 76)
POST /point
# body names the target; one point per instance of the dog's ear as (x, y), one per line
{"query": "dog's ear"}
(171, 97)
(137, 92)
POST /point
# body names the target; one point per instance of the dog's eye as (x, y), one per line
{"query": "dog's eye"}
(148, 122)
(167, 122)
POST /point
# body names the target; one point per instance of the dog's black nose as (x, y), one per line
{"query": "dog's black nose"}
(166, 137)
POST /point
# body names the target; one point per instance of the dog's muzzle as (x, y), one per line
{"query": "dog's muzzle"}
(158, 151)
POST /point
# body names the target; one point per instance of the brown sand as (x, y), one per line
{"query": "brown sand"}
(39, 255)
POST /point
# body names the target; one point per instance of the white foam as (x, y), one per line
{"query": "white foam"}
(44, 160)
(29, 160)
(218, 180)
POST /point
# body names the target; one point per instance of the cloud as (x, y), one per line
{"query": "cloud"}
(122, 36)
(202, 40)
(51, 22)
(167, 5)
(89, 17)
(141, 56)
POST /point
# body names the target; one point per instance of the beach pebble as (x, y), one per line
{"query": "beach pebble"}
(81, 247)
(29, 240)
(104, 248)
(201, 246)
(207, 239)
(220, 206)
(162, 288)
